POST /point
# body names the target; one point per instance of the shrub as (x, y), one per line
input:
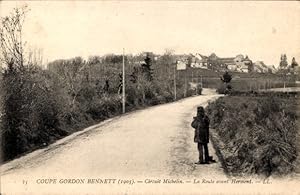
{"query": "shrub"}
(258, 133)
(30, 112)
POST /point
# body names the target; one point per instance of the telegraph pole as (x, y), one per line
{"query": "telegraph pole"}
(175, 83)
(185, 83)
(201, 82)
(123, 82)
(192, 76)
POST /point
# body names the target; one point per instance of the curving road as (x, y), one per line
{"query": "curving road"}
(129, 151)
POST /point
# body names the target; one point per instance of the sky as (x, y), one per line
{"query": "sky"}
(65, 29)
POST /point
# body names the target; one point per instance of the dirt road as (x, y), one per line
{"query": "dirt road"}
(150, 150)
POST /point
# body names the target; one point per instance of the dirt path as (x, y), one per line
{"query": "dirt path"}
(154, 143)
(150, 151)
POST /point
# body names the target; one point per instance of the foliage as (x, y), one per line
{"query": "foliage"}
(225, 88)
(226, 78)
(11, 43)
(147, 69)
(258, 132)
(40, 106)
(283, 61)
(30, 111)
(294, 63)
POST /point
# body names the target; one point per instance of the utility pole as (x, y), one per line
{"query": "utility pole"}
(197, 83)
(185, 83)
(201, 82)
(192, 76)
(175, 83)
(123, 83)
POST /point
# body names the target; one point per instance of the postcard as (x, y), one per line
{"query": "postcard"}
(150, 97)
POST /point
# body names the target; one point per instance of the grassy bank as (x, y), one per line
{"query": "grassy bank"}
(257, 133)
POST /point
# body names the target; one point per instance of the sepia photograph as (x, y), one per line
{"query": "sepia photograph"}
(149, 97)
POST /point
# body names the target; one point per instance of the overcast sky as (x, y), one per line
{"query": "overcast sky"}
(262, 30)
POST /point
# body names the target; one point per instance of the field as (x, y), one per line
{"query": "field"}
(240, 81)
(257, 133)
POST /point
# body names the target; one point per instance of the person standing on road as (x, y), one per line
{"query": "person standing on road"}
(201, 125)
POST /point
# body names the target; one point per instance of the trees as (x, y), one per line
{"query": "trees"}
(164, 73)
(226, 78)
(213, 62)
(147, 67)
(11, 40)
(294, 63)
(283, 62)
(38, 106)
(73, 73)
(12, 58)
(141, 78)
(30, 111)
(164, 67)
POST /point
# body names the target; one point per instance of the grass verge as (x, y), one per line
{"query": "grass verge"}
(256, 134)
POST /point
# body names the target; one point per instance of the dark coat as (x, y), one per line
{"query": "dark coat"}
(201, 126)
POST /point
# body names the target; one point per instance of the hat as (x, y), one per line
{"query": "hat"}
(200, 109)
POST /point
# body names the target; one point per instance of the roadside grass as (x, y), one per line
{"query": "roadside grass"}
(257, 133)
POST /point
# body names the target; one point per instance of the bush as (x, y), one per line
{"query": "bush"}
(30, 112)
(259, 133)
(104, 107)
(224, 88)
(41, 106)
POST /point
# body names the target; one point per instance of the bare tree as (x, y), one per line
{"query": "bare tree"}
(11, 41)
(35, 57)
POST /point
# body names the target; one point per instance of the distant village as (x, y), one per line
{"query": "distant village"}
(240, 63)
